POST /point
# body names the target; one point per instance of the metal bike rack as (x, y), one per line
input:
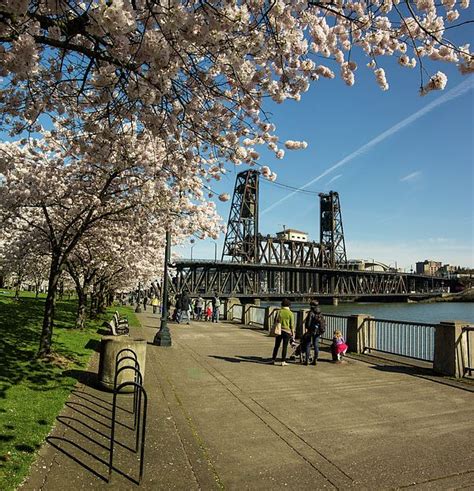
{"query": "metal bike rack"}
(139, 393)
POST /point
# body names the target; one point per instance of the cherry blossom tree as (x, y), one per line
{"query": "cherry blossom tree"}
(23, 257)
(196, 73)
(65, 185)
(100, 266)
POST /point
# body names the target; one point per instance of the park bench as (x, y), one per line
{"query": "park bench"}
(117, 326)
(120, 321)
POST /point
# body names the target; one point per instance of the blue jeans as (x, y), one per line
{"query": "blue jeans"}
(182, 314)
(215, 314)
(312, 341)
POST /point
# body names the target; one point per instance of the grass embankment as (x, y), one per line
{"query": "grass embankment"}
(33, 392)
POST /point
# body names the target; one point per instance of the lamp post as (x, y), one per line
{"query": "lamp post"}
(138, 308)
(163, 336)
(215, 251)
(192, 247)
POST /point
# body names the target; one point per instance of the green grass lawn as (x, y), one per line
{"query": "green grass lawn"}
(32, 392)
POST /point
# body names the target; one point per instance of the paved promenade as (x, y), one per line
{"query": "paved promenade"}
(221, 417)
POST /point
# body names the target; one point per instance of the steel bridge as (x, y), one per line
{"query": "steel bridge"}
(276, 266)
(246, 280)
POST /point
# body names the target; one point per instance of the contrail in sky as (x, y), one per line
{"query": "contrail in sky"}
(461, 89)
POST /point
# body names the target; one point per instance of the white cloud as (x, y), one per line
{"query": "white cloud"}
(411, 177)
(333, 179)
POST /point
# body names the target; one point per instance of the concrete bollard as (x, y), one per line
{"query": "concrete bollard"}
(361, 333)
(229, 308)
(450, 349)
(109, 347)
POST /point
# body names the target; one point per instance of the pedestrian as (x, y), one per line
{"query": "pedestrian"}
(177, 308)
(208, 313)
(315, 326)
(216, 303)
(145, 301)
(185, 307)
(199, 306)
(286, 318)
(338, 346)
(155, 303)
(170, 305)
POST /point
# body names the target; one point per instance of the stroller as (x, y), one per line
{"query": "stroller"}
(298, 353)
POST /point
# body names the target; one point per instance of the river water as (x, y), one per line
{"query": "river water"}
(421, 312)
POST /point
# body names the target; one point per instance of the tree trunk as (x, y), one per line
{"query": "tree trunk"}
(101, 299)
(37, 288)
(81, 308)
(92, 308)
(48, 318)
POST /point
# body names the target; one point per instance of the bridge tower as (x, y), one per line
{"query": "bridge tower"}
(241, 240)
(332, 243)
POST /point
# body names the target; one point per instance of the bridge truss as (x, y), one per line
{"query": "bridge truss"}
(277, 281)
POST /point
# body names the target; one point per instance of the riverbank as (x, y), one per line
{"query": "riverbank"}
(464, 296)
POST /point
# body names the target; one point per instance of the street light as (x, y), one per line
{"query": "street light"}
(215, 251)
(163, 336)
(138, 308)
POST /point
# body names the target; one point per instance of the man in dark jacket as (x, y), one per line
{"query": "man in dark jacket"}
(185, 307)
(315, 326)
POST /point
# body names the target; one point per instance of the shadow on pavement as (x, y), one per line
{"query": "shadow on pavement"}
(407, 370)
(83, 434)
(56, 443)
(244, 359)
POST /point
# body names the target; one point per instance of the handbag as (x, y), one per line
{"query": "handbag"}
(276, 328)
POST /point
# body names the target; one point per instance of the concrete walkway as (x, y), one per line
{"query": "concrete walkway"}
(220, 417)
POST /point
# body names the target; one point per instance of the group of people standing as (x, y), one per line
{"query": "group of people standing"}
(315, 327)
(182, 307)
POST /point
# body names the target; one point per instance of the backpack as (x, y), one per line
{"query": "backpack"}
(321, 323)
(315, 323)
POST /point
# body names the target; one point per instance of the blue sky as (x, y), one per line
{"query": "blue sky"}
(407, 198)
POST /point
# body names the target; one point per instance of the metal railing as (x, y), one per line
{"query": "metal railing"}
(468, 366)
(256, 315)
(333, 323)
(410, 339)
(236, 312)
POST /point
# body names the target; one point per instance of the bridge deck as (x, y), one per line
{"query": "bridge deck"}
(220, 416)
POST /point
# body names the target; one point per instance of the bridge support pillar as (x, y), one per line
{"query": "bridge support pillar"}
(229, 305)
(270, 313)
(361, 333)
(450, 350)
